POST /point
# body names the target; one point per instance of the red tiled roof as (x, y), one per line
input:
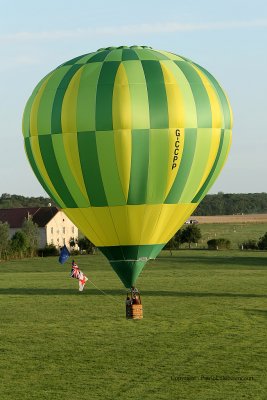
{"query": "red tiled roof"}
(16, 216)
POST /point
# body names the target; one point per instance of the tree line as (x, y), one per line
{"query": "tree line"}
(212, 204)
(233, 203)
(17, 201)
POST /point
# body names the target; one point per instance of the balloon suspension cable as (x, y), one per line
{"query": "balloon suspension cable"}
(102, 291)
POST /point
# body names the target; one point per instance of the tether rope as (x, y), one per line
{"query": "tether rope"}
(102, 291)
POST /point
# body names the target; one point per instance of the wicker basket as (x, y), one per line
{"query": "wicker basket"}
(134, 311)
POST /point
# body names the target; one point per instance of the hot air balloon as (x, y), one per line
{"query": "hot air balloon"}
(127, 141)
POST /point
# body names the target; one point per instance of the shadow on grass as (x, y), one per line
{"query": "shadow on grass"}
(115, 292)
(262, 313)
(217, 260)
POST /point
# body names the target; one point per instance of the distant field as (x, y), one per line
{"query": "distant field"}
(236, 228)
(230, 219)
(237, 233)
(203, 336)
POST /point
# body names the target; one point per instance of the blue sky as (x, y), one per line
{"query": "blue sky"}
(228, 38)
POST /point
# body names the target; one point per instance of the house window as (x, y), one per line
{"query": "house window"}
(64, 230)
(64, 241)
(52, 230)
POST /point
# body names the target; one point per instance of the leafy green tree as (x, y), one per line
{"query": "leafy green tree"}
(191, 234)
(86, 245)
(31, 231)
(73, 242)
(262, 244)
(178, 239)
(18, 244)
(4, 238)
(175, 242)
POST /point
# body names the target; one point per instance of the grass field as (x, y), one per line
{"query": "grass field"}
(203, 336)
(235, 232)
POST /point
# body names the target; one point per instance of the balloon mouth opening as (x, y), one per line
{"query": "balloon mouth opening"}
(129, 261)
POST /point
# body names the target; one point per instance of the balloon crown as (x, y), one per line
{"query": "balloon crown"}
(124, 47)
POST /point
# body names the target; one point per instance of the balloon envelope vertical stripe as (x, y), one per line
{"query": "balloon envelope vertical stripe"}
(127, 141)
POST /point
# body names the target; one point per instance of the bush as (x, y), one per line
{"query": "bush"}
(74, 252)
(48, 250)
(218, 244)
(86, 245)
(262, 244)
(249, 245)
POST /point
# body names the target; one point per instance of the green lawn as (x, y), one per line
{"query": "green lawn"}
(203, 336)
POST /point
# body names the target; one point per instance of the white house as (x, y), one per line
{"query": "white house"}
(54, 226)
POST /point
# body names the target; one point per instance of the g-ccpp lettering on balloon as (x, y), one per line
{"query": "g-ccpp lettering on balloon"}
(176, 148)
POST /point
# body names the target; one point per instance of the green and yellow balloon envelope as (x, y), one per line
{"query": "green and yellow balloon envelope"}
(127, 141)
